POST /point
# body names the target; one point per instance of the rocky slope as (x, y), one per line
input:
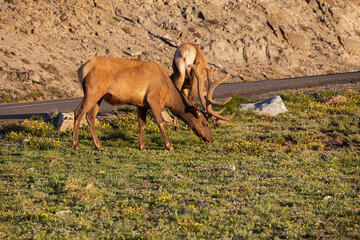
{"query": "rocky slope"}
(43, 42)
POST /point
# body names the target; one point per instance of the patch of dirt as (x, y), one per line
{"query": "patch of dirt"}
(334, 139)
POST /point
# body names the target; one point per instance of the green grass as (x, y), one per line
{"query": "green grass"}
(292, 176)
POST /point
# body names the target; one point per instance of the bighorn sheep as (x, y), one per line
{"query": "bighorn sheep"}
(142, 84)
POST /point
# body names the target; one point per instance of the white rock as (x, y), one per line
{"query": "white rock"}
(66, 122)
(167, 118)
(63, 212)
(133, 52)
(272, 106)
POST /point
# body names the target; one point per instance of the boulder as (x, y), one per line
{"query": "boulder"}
(167, 118)
(66, 122)
(63, 212)
(272, 106)
(133, 52)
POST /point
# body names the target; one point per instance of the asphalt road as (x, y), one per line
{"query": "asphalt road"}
(45, 109)
(22, 111)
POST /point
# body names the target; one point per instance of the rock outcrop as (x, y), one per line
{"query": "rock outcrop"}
(42, 43)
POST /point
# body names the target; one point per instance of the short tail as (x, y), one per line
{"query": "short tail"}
(84, 70)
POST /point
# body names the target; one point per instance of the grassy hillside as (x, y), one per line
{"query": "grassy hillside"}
(291, 176)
